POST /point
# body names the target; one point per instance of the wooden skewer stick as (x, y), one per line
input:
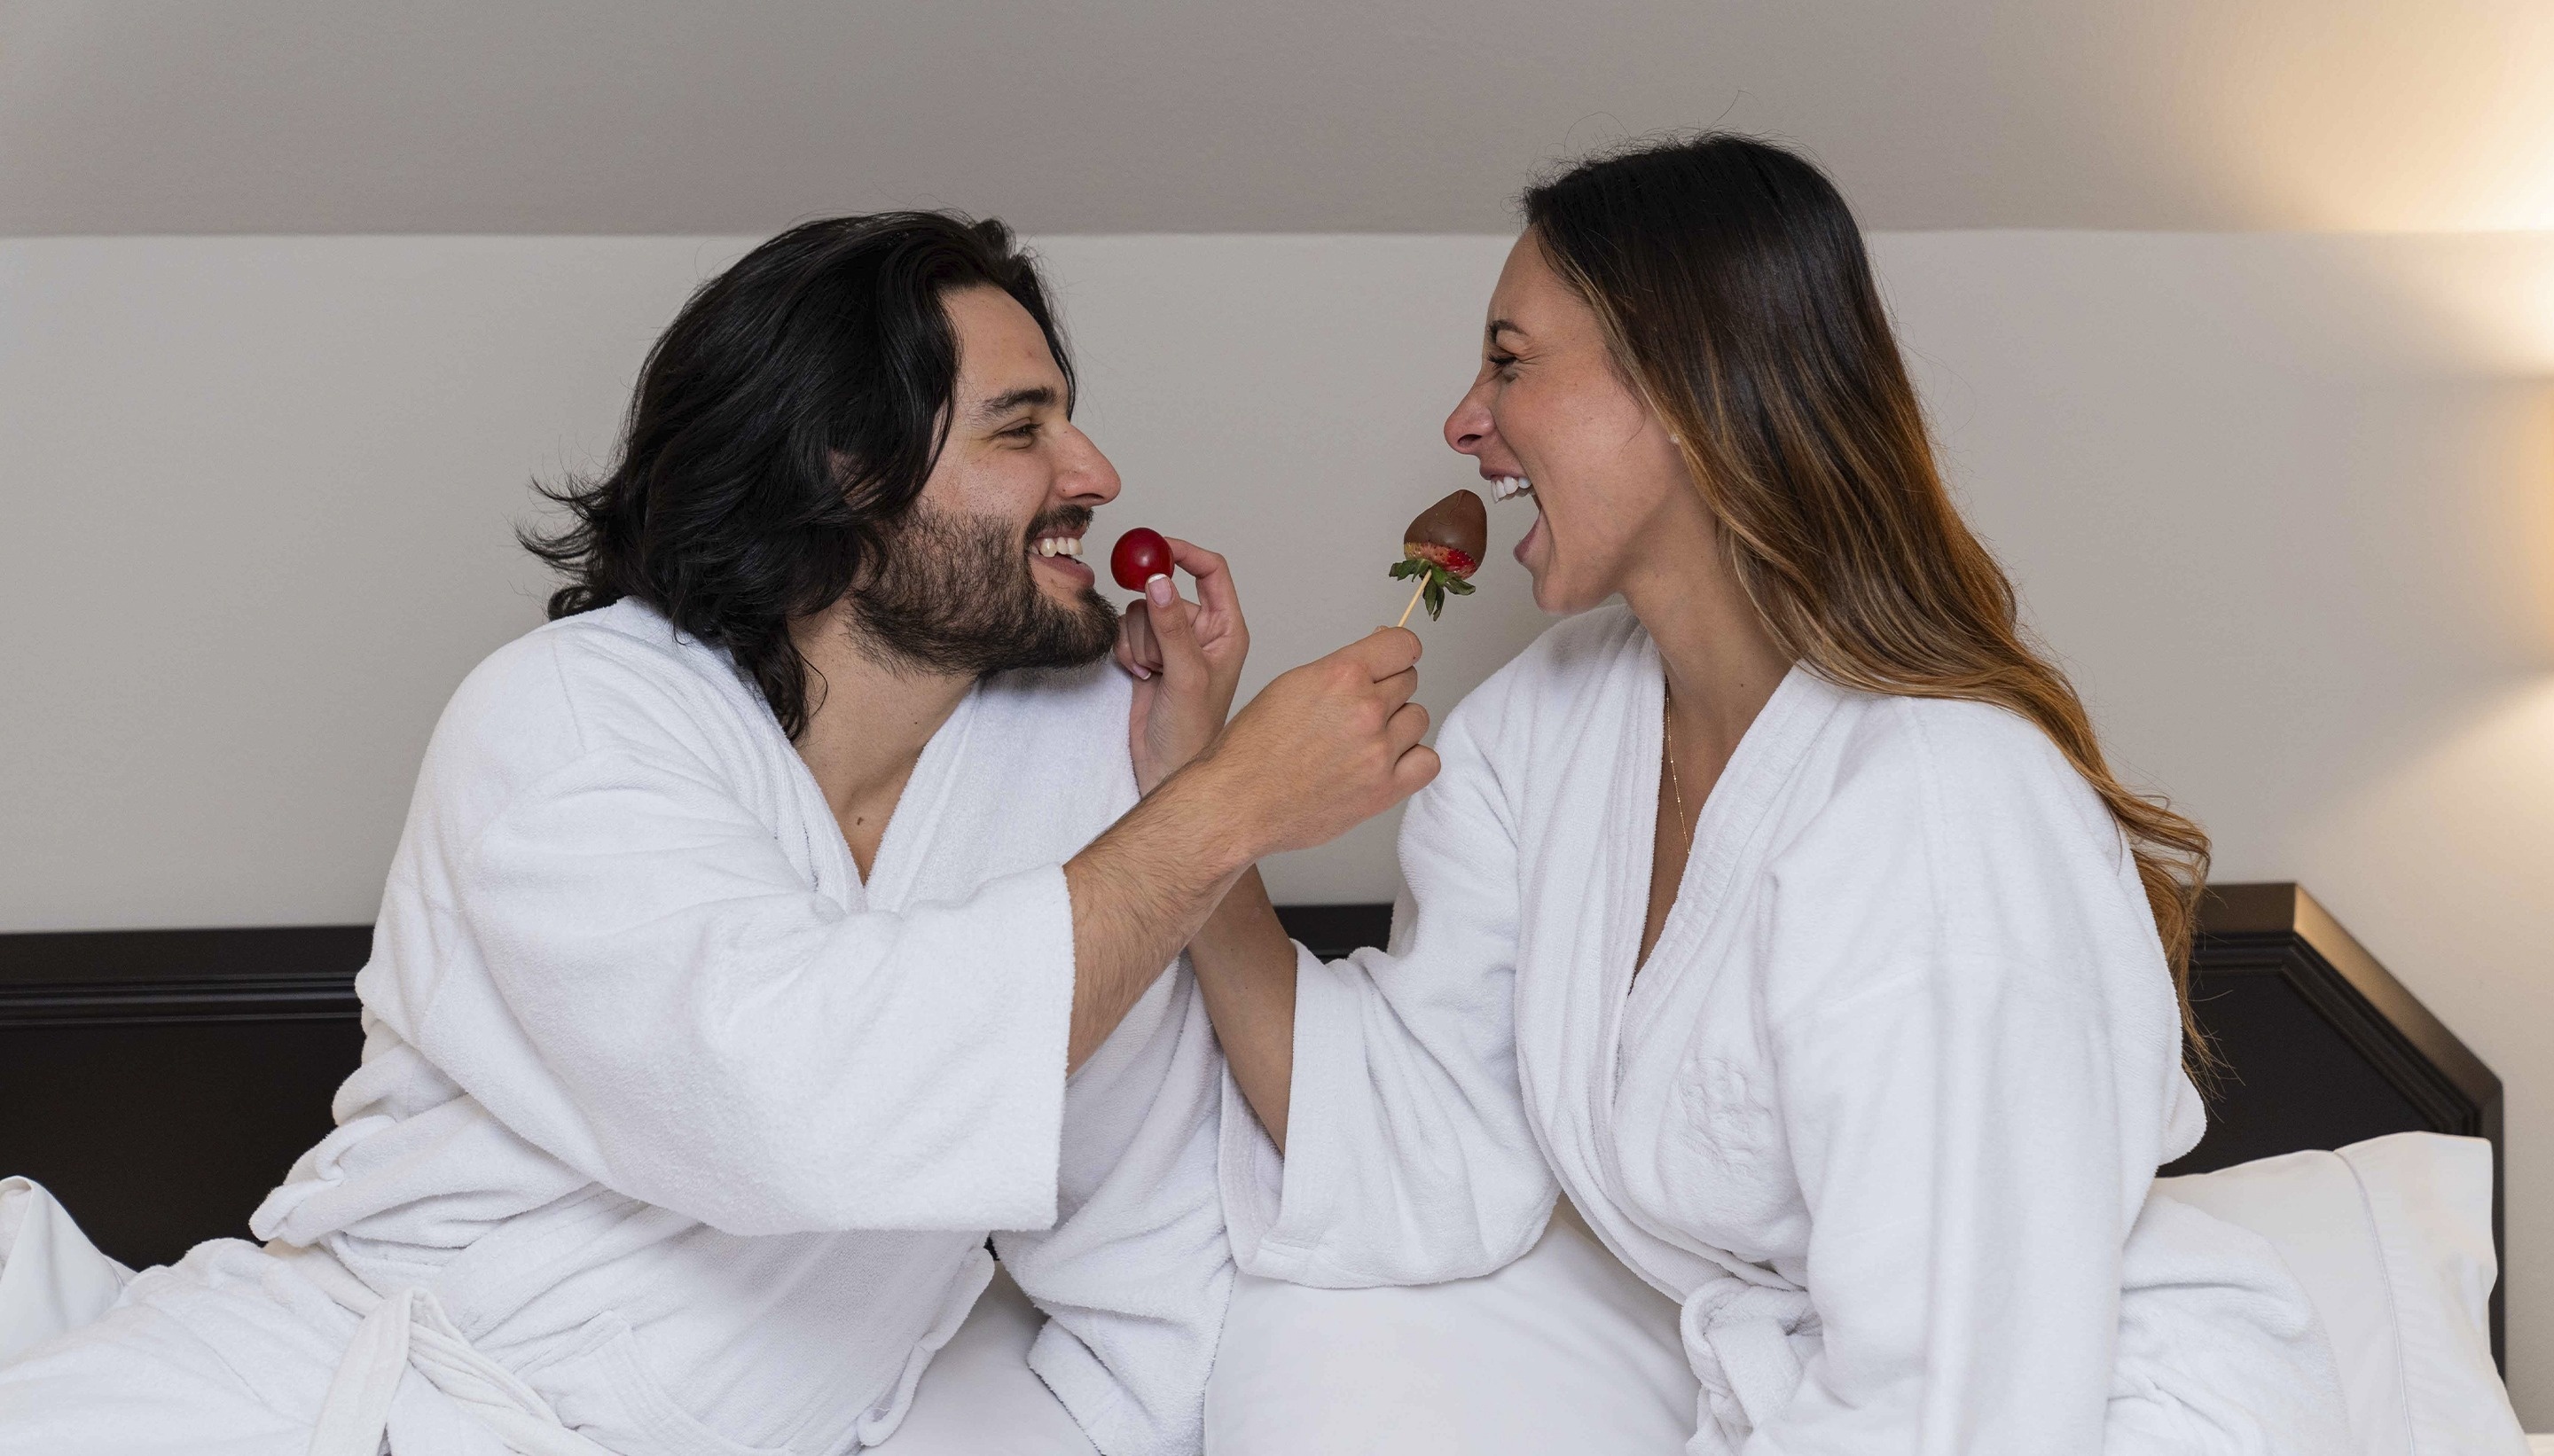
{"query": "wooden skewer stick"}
(1413, 602)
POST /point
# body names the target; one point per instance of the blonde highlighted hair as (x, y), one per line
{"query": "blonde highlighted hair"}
(1732, 281)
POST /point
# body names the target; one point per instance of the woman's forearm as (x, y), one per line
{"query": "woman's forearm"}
(1245, 968)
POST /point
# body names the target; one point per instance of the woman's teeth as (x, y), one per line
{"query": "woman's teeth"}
(1508, 486)
(1058, 546)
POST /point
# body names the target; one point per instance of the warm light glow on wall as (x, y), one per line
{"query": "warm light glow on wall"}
(2396, 118)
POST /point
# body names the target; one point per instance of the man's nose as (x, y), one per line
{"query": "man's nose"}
(1088, 476)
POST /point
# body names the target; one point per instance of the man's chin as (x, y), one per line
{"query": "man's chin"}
(1094, 630)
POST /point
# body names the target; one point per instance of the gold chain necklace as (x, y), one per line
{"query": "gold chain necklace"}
(1676, 786)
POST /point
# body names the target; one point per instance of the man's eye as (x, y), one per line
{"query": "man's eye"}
(1022, 432)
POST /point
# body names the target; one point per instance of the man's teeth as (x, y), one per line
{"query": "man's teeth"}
(1058, 546)
(1507, 487)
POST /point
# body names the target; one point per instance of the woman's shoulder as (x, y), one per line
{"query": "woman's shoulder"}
(1956, 825)
(1952, 763)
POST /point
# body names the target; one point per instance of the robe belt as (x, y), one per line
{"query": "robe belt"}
(1738, 1339)
(409, 1331)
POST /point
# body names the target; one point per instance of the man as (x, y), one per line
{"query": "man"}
(774, 924)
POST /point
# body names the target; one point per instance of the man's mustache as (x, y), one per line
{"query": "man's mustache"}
(1070, 519)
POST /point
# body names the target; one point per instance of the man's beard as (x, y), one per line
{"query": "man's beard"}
(954, 594)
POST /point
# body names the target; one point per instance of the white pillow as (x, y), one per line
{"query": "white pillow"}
(52, 1277)
(1564, 1350)
(2391, 1239)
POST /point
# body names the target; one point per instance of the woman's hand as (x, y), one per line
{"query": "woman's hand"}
(1185, 658)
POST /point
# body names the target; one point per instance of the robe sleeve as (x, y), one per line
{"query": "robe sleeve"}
(1136, 1272)
(1972, 1065)
(1409, 1159)
(668, 1007)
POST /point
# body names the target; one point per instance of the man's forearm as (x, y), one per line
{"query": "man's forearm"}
(1246, 969)
(1139, 892)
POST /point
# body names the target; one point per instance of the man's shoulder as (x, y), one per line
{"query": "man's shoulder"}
(571, 684)
(1078, 709)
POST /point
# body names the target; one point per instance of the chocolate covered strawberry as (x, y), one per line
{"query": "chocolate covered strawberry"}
(1442, 547)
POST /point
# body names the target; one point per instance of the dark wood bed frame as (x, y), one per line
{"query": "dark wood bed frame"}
(160, 1081)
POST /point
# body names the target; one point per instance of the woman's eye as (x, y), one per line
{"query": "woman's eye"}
(1504, 364)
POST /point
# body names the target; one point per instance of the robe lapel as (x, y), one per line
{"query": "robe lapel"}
(1594, 1009)
(1588, 891)
(904, 850)
(900, 874)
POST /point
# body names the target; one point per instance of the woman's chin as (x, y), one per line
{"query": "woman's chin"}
(1552, 594)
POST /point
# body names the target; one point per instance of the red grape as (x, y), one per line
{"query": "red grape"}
(1140, 555)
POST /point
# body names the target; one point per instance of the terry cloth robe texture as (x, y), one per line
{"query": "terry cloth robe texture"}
(1881, 1112)
(671, 1133)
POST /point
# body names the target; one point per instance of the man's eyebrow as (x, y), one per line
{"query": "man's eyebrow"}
(1010, 400)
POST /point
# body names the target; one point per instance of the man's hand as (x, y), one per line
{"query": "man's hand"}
(1328, 746)
(1186, 659)
(1322, 749)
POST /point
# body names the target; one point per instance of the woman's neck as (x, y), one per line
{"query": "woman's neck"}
(1722, 664)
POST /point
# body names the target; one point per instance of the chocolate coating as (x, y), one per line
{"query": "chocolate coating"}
(1460, 522)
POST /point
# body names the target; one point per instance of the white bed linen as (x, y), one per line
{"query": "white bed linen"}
(1565, 1349)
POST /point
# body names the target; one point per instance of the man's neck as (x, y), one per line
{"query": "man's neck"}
(866, 726)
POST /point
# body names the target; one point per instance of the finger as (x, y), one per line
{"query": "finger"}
(1141, 641)
(1383, 653)
(1396, 689)
(1137, 649)
(1214, 589)
(1407, 725)
(1174, 622)
(1415, 770)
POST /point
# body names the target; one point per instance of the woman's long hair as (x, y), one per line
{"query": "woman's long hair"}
(1732, 285)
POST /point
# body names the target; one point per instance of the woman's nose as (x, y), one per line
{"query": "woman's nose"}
(1468, 428)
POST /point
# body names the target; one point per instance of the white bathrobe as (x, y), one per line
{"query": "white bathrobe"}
(674, 1133)
(1881, 1111)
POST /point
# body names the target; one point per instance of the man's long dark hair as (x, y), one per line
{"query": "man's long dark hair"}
(782, 425)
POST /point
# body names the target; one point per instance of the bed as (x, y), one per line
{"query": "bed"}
(159, 1081)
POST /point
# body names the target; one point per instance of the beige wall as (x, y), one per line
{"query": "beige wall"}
(2285, 503)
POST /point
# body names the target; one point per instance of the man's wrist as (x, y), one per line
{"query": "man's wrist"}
(1197, 806)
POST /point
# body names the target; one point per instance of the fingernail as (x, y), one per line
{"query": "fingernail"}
(1141, 671)
(1160, 592)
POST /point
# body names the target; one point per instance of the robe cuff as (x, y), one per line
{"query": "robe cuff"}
(1022, 1013)
(1280, 1209)
(984, 1141)
(1101, 1405)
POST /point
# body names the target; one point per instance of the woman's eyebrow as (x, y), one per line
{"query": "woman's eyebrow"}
(1500, 326)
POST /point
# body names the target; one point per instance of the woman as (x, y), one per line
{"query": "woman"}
(1786, 914)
